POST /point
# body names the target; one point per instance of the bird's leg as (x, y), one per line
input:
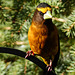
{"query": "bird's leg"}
(28, 53)
(50, 66)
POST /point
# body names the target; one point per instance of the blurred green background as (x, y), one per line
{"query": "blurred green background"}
(15, 19)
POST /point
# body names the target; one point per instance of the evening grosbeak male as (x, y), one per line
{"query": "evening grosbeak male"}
(43, 36)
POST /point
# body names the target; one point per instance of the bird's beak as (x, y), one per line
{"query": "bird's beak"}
(47, 15)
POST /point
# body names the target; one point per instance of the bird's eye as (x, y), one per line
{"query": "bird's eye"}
(40, 13)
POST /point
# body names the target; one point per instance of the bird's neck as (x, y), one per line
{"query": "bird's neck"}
(47, 22)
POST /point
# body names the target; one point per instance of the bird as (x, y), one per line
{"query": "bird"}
(43, 36)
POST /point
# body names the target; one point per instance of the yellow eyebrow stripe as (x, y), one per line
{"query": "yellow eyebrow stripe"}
(44, 10)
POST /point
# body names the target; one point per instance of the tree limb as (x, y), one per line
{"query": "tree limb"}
(31, 58)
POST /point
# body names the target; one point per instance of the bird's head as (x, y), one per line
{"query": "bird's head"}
(42, 13)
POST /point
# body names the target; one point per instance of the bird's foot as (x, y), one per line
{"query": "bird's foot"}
(28, 53)
(50, 66)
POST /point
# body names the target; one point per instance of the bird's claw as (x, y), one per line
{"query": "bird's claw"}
(29, 53)
(49, 66)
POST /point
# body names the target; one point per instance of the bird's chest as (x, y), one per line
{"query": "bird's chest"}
(37, 39)
(43, 41)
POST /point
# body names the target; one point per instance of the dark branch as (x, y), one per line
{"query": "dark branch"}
(23, 54)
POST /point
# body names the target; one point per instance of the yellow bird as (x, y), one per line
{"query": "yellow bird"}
(43, 36)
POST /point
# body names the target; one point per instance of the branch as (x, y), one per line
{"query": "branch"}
(31, 58)
(58, 19)
(14, 43)
(70, 27)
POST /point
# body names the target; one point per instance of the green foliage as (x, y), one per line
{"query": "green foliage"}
(15, 20)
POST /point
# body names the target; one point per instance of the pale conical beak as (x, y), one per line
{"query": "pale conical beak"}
(47, 15)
